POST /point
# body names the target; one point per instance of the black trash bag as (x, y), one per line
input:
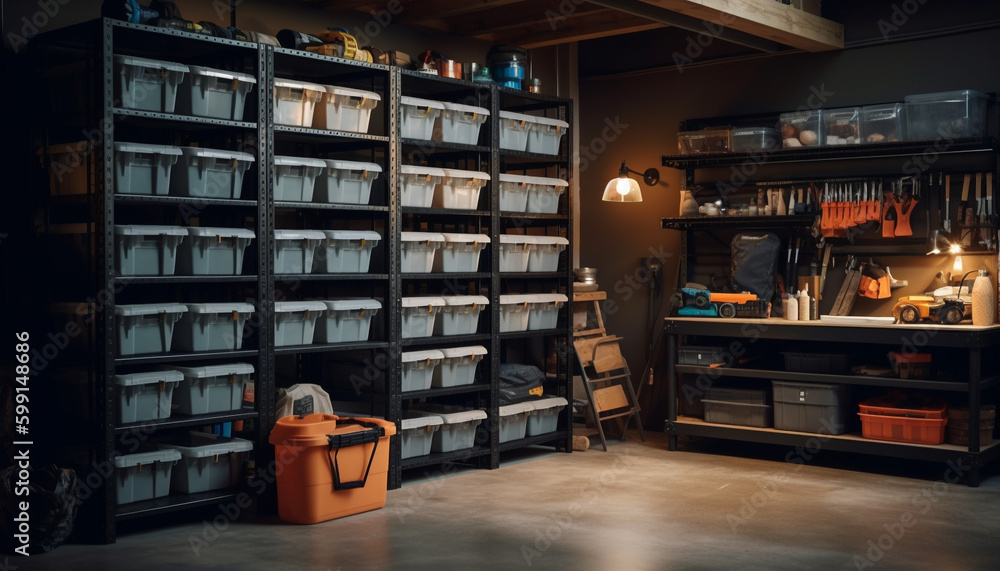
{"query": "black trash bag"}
(755, 263)
(52, 502)
(519, 383)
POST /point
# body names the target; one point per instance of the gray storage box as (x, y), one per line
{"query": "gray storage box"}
(544, 417)
(295, 321)
(458, 428)
(417, 434)
(148, 84)
(214, 251)
(144, 476)
(295, 178)
(213, 326)
(514, 421)
(212, 388)
(144, 169)
(544, 310)
(700, 355)
(460, 252)
(142, 250)
(146, 327)
(419, 315)
(460, 314)
(419, 367)
(345, 182)
(743, 414)
(210, 173)
(208, 463)
(458, 367)
(146, 396)
(808, 407)
(345, 251)
(217, 93)
(346, 320)
(294, 250)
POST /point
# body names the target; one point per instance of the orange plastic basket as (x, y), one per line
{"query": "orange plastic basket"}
(330, 466)
(903, 429)
(897, 403)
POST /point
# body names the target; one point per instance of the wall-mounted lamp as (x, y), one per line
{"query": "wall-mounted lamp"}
(625, 189)
(940, 243)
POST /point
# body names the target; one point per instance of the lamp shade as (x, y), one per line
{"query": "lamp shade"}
(622, 189)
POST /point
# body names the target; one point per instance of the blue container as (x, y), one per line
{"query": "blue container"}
(508, 66)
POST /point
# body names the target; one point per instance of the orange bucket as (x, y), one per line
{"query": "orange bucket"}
(330, 466)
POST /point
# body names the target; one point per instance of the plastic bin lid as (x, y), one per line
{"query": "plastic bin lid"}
(150, 63)
(351, 92)
(312, 429)
(842, 111)
(454, 417)
(216, 154)
(546, 240)
(298, 161)
(753, 130)
(550, 298)
(298, 235)
(349, 304)
(428, 354)
(420, 422)
(421, 170)
(516, 116)
(421, 237)
(548, 402)
(943, 96)
(212, 371)
(524, 179)
(469, 351)
(147, 149)
(149, 230)
(209, 445)
(149, 309)
(212, 72)
(149, 377)
(132, 460)
(418, 102)
(474, 175)
(465, 238)
(352, 165)
(516, 408)
(517, 298)
(466, 108)
(201, 231)
(465, 299)
(239, 307)
(294, 84)
(352, 235)
(532, 298)
(551, 122)
(513, 239)
(422, 301)
(295, 306)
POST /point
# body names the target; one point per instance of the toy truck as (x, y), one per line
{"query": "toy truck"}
(695, 302)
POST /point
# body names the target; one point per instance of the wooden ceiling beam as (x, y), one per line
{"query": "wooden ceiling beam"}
(580, 30)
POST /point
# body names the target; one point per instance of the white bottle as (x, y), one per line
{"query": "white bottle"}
(983, 300)
(804, 309)
(793, 308)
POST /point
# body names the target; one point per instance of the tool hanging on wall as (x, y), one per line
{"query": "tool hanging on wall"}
(889, 204)
(966, 239)
(905, 209)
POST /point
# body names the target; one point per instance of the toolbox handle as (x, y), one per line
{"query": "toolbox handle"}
(339, 441)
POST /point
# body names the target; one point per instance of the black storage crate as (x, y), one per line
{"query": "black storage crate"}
(745, 407)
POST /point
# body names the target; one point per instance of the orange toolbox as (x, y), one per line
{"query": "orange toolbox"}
(331, 466)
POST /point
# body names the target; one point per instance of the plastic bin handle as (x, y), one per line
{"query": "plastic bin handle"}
(338, 441)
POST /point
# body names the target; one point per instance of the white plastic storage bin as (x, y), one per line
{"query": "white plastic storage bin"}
(458, 428)
(515, 249)
(142, 250)
(143, 169)
(514, 129)
(345, 251)
(417, 435)
(459, 123)
(146, 327)
(545, 135)
(460, 314)
(460, 189)
(418, 251)
(544, 417)
(418, 117)
(417, 185)
(460, 252)
(544, 254)
(295, 178)
(544, 310)
(213, 251)
(514, 192)
(148, 84)
(295, 101)
(418, 369)
(295, 321)
(212, 388)
(514, 310)
(345, 109)
(514, 421)
(419, 315)
(544, 193)
(458, 367)
(217, 93)
(210, 173)
(213, 326)
(208, 463)
(294, 250)
(345, 182)
(144, 476)
(346, 320)
(146, 396)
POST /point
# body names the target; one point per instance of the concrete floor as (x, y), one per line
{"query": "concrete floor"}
(635, 507)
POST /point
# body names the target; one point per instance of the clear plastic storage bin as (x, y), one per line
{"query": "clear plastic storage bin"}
(419, 315)
(294, 250)
(515, 249)
(417, 433)
(345, 251)
(460, 252)
(418, 117)
(346, 320)
(545, 135)
(948, 115)
(295, 178)
(142, 169)
(514, 421)
(459, 123)
(213, 251)
(216, 93)
(419, 367)
(544, 417)
(208, 462)
(345, 182)
(802, 129)
(842, 126)
(458, 367)
(213, 326)
(295, 101)
(418, 251)
(883, 123)
(417, 185)
(345, 109)
(210, 173)
(295, 321)
(144, 476)
(545, 251)
(544, 193)
(544, 310)
(460, 189)
(749, 139)
(148, 84)
(514, 129)
(147, 395)
(705, 141)
(146, 327)
(460, 314)
(142, 250)
(212, 388)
